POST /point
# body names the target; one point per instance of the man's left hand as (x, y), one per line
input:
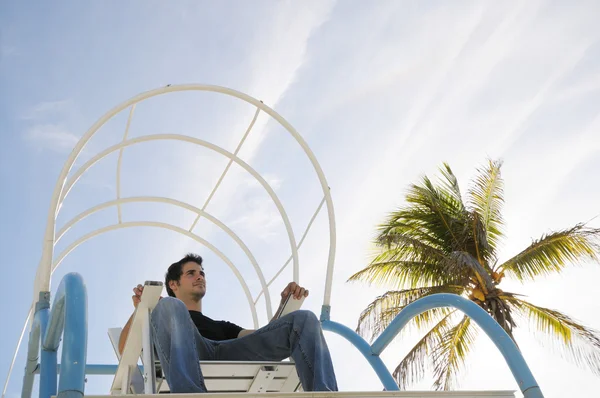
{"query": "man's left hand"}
(296, 290)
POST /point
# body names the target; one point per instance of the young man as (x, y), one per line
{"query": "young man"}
(183, 335)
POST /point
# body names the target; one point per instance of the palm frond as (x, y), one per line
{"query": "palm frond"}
(401, 274)
(381, 312)
(451, 188)
(553, 252)
(486, 197)
(574, 341)
(450, 354)
(440, 213)
(398, 245)
(412, 367)
(406, 263)
(420, 224)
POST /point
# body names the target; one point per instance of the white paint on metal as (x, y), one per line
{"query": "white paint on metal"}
(43, 274)
(119, 161)
(227, 167)
(262, 380)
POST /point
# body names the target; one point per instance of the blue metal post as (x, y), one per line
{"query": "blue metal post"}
(48, 374)
(69, 314)
(512, 355)
(40, 320)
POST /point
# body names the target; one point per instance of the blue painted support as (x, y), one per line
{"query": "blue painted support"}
(68, 315)
(48, 376)
(501, 339)
(97, 369)
(40, 320)
(376, 362)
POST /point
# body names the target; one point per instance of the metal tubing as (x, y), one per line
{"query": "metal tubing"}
(374, 360)
(501, 339)
(43, 274)
(68, 318)
(40, 320)
(48, 373)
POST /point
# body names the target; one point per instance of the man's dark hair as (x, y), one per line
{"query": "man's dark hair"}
(176, 270)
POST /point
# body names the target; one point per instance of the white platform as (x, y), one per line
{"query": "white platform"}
(342, 394)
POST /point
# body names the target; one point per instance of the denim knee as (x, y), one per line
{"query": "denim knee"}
(170, 306)
(306, 319)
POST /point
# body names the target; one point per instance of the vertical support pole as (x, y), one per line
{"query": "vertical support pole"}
(68, 319)
(148, 355)
(38, 327)
(48, 373)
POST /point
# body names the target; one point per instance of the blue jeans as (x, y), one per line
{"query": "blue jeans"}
(180, 347)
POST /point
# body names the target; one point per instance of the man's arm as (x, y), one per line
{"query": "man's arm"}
(136, 298)
(292, 288)
(124, 334)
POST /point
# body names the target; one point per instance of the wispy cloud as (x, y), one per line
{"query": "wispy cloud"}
(49, 126)
(51, 137)
(48, 109)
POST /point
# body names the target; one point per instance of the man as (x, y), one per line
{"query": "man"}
(183, 335)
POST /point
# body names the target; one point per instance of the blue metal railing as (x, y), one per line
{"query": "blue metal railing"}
(66, 319)
(509, 350)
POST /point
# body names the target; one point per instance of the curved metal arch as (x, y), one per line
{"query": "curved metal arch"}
(120, 161)
(184, 205)
(171, 227)
(507, 347)
(294, 247)
(43, 274)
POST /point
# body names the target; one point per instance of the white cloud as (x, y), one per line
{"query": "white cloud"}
(48, 109)
(52, 137)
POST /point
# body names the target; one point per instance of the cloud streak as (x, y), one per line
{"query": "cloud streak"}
(52, 137)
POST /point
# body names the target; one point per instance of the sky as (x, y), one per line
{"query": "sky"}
(383, 93)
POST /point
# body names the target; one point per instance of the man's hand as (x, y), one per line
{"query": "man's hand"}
(296, 290)
(137, 295)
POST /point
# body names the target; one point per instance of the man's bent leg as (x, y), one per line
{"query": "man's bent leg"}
(298, 335)
(179, 346)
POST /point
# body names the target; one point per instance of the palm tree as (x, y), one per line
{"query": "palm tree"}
(439, 243)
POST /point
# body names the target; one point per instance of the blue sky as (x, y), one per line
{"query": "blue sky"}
(382, 93)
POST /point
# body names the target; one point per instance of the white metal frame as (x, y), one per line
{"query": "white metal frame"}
(48, 262)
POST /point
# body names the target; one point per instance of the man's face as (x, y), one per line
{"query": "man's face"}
(192, 284)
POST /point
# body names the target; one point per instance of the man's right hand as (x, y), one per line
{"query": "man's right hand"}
(137, 295)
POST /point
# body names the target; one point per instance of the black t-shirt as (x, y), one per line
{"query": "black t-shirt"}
(214, 330)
